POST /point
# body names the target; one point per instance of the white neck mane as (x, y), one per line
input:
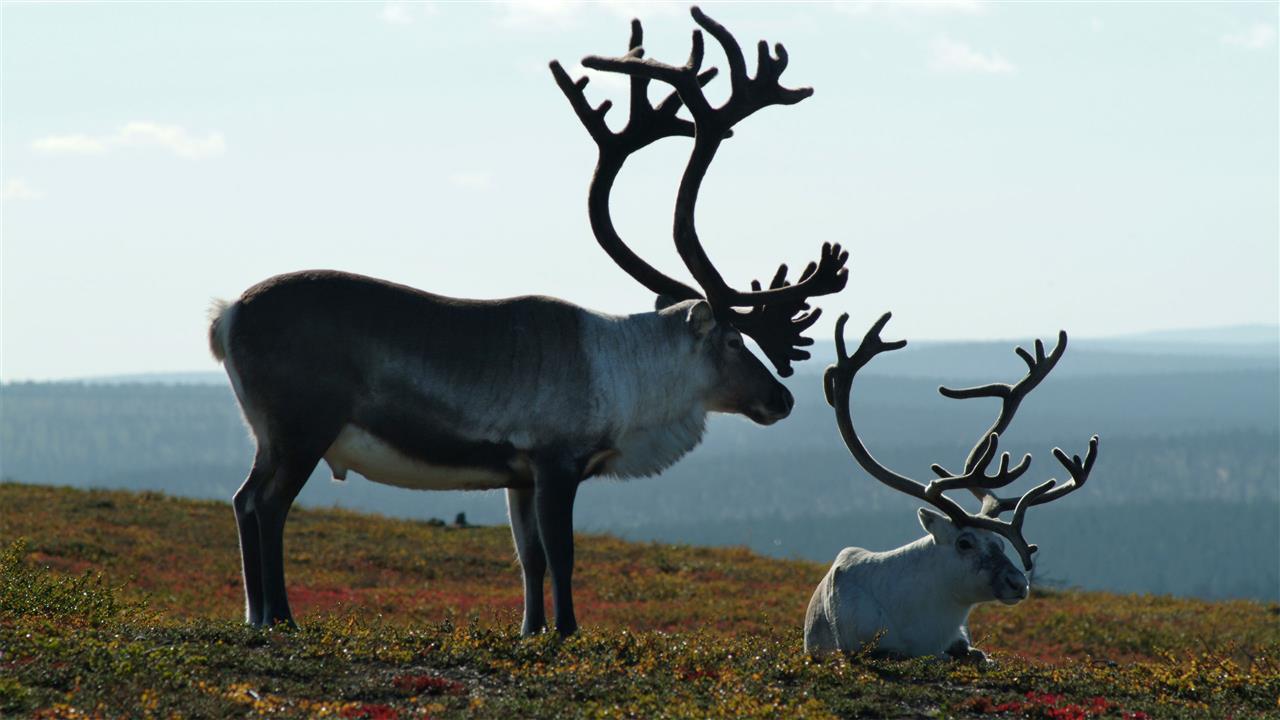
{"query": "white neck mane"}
(648, 390)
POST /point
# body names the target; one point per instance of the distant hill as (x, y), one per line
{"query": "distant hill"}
(1179, 432)
(988, 361)
(1257, 335)
(1222, 349)
(1228, 349)
(195, 377)
(1267, 350)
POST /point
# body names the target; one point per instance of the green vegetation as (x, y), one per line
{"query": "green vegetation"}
(127, 605)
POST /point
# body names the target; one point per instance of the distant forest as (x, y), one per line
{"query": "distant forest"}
(1185, 500)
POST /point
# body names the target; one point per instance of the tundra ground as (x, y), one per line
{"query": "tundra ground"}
(115, 604)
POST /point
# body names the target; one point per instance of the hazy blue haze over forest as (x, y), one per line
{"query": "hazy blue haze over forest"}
(1185, 500)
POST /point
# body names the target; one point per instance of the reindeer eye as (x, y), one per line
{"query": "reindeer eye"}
(734, 343)
(964, 544)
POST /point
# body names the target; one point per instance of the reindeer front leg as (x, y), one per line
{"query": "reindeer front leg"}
(960, 649)
(555, 486)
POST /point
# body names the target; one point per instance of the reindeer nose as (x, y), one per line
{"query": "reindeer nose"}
(1017, 584)
(784, 400)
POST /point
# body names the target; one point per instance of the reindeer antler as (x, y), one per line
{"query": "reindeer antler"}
(838, 383)
(748, 95)
(1011, 396)
(775, 321)
(777, 327)
(646, 124)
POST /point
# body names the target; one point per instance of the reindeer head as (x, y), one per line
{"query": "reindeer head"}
(737, 382)
(838, 384)
(774, 317)
(973, 561)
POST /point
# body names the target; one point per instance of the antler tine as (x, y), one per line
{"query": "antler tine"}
(592, 119)
(1077, 469)
(778, 328)
(680, 78)
(750, 94)
(977, 477)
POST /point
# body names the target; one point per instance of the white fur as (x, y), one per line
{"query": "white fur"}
(647, 389)
(356, 449)
(912, 601)
(225, 314)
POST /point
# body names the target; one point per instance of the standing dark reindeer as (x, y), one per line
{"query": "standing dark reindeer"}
(531, 394)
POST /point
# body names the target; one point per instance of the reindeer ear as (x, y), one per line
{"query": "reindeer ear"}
(701, 318)
(663, 301)
(937, 525)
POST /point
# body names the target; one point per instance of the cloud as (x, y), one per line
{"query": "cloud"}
(538, 14)
(471, 180)
(609, 83)
(920, 7)
(396, 13)
(18, 189)
(561, 14)
(1256, 37)
(402, 12)
(70, 145)
(628, 9)
(955, 57)
(172, 138)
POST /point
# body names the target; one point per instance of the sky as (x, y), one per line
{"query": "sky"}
(996, 170)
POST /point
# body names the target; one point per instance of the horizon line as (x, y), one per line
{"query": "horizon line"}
(1144, 336)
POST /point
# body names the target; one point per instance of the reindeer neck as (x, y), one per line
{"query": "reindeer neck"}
(919, 566)
(648, 389)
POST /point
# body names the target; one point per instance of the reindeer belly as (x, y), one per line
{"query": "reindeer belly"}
(376, 459)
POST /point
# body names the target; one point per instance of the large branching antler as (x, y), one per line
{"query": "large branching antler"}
(776, 320)
(838, 384)
(748, 94)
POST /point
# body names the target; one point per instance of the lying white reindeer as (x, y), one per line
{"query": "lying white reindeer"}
(915, 600)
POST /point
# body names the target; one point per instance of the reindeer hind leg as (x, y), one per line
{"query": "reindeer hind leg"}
(250, 541)
(272, 503)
